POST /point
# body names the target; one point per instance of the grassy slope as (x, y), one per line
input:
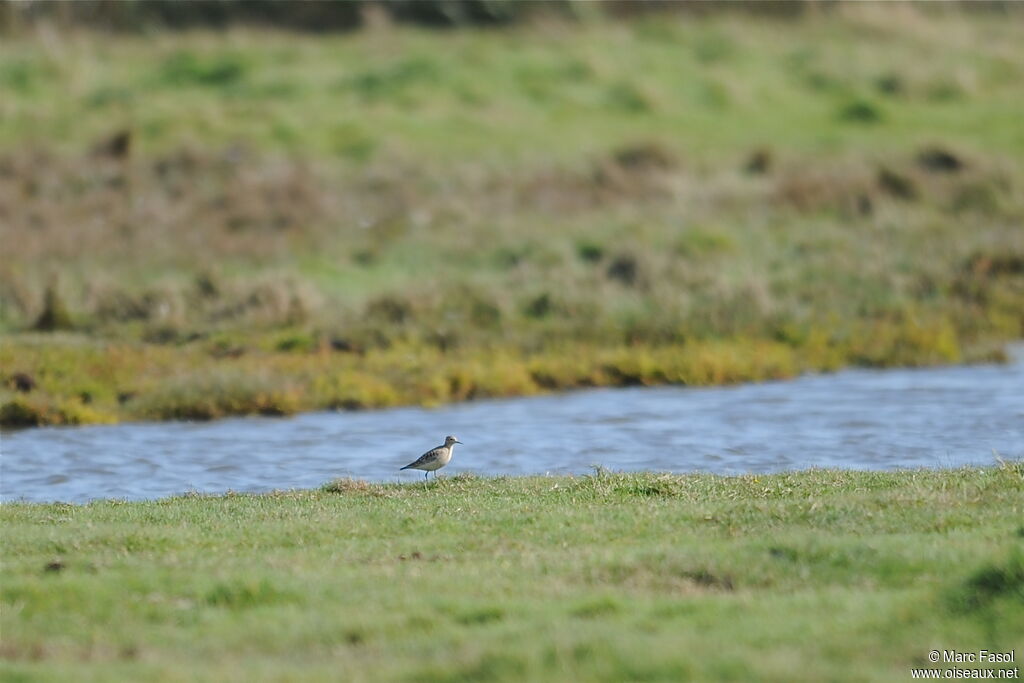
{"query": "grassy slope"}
(820, 575)
(407, 193)
(534, 92)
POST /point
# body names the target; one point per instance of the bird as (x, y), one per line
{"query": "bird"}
(435, 458)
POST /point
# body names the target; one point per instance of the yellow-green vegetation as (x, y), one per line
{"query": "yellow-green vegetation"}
(811, 576)
(198, 224)
(80, 381)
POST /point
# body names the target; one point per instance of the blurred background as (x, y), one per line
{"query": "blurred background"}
(214, 208)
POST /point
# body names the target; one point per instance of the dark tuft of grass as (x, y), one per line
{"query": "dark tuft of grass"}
(861, 111)
(666, 486)
(185, 68)
(940, 160)
(897, 185)
(55, 315)
(599, 607)
(990, 583)
(246, 594)
(346, 485)
(590, 252)
(760, 161)
(480, 616)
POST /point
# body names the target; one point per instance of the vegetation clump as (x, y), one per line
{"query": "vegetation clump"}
(55, 315)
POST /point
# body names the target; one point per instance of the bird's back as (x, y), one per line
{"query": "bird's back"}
(440, 454)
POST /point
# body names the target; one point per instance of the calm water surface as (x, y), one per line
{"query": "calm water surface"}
(859, 419)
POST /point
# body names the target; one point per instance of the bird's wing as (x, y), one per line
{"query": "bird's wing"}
(429, 456)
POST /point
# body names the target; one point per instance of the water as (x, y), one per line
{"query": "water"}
(858, 419)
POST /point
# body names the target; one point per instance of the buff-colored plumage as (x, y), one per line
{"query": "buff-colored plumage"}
(435, 458)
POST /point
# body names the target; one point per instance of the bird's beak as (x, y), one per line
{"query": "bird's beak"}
(457, 441)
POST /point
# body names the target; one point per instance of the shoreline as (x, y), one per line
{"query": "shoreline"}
(343, 485)
(99, 382)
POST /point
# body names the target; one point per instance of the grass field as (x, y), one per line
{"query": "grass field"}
(264, 208)
(819, 575)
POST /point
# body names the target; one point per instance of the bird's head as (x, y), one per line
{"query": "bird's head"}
(449, 440)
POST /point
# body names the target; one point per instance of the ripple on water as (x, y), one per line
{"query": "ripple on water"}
(862, 419)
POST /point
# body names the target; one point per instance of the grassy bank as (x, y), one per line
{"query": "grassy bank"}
(79, 381)
(820, 575)
(426, 216)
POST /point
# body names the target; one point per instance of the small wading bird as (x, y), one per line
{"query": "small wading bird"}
(435, 458)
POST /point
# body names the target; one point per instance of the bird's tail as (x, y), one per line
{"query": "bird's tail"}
(404, 468)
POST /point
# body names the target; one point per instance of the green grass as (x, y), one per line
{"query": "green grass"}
(554, 90)
(663, 183)
(818, 575)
